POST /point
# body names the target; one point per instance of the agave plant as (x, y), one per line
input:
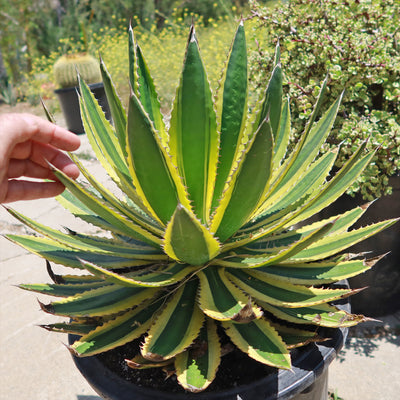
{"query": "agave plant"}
(208, 237)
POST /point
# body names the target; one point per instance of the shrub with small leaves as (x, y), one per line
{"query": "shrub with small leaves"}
(357, 43)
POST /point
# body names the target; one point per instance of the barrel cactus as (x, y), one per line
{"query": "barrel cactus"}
(66, 66)
(209, 237)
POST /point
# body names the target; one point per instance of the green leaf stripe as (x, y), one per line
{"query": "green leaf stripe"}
(248, 188)
(282, 137)
(320, 314)
(97, 302)
(118, 223)
(196, 367)
(148, 164)
(283, 294)
(231, 109)
(309, 149)
(56, 252)
(260, 341)
(101, 133)
(72, 327)
(334, 244)
(310, 181)
(286, 253)
(92, 243)
(193, 138)
(177, 325)
(133, 213)
(319, 272)
(117, 110)
(62, 290)
(221, 300)
(163, 276)
(117, 332)
(148, 96)
(294, 337)
(336, 186)
(341, 223)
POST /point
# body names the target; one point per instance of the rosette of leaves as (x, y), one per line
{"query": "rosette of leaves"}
(207, 240)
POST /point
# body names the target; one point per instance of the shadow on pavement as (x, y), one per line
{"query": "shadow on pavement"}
(366, 342)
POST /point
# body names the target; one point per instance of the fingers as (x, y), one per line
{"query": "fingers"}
(27, 145)
(59, 160)
(27, 168)
(43, 154)
(54, 135)
(18, 128)
(28, 190)
(19, 189)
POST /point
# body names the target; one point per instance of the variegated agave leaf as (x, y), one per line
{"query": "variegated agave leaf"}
(210, 232)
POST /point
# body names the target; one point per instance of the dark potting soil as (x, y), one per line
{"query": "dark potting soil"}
(236, 369)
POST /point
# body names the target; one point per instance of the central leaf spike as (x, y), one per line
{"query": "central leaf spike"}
(187, 240)
(193, 137)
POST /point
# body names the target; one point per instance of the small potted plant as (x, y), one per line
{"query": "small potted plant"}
(208, 259)
(65, 76)
(66, 69)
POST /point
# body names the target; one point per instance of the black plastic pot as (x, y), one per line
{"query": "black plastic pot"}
(382, 296)
(69, 102)
(308, 379)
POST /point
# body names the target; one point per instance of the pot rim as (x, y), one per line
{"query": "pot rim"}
(92, 86)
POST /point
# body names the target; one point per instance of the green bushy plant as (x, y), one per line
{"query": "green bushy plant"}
(357, 43)
(207, 236)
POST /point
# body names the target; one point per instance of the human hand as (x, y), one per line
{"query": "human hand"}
(27, 145)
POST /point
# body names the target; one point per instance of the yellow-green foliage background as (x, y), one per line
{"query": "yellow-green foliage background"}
(163, 50)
